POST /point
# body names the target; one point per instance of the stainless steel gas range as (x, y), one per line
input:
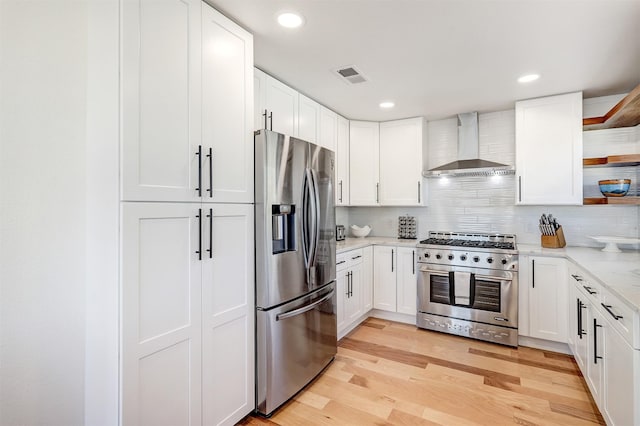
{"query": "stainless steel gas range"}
(468, 285)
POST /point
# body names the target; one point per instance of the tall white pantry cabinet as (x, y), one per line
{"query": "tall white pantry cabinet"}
(187, 243)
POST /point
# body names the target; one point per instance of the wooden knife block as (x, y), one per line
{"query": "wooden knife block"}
(553, 241)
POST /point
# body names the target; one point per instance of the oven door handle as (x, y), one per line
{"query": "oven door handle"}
(433, 272)
(477, 276)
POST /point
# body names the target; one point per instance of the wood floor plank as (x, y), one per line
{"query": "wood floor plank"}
(388, 373)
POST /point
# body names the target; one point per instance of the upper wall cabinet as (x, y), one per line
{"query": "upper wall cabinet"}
(328, 129)
(549, 150)
(364, 163)
(308, 119)
(277, 105)
(187, 82)
(401, 181)
(342, 162)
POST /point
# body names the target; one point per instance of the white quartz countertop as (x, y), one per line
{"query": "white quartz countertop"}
(356, 243)
(618, 272)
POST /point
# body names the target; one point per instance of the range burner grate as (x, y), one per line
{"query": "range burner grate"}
(504, 245)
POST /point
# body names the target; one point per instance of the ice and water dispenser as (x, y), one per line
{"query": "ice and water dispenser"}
(283, 228)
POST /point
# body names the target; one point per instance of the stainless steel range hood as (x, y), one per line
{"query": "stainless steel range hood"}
(468, 163)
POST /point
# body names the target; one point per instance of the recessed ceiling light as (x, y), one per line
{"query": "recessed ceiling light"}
(290, 20)
(528, 78)
(387, 104)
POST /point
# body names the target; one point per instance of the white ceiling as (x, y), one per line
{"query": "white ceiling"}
(436, 58)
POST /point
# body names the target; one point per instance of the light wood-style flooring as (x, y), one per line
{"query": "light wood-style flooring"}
(388, 373)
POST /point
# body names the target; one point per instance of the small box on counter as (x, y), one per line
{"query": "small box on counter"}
(553, 241)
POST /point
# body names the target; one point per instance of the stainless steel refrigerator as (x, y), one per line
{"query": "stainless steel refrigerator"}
(296, 335)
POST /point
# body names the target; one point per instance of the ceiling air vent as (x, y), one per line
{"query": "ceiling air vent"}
(351, 74)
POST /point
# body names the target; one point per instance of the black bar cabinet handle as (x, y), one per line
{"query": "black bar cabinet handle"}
(419, 192)
(520, 188)
(578, 322)
(356, 257)
(210, 156)
(589, 290)
(199, 154)
(608, 308)
(265, 119)
(533, 273)
(391, 260)
(210, 249)
(340, 190)
(595, 341)
(199, 251)
(377, 192)
(577, 277)
(413, 261)
(271, 120)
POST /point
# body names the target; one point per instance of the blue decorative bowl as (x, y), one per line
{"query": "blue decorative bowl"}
(614, 187)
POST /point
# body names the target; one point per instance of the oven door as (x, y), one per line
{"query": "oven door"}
(473, 294)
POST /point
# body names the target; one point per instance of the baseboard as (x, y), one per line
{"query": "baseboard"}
(545, 345)
(392, 316)
(348, 329)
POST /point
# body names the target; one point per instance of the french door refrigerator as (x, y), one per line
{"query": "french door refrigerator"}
(296, 335)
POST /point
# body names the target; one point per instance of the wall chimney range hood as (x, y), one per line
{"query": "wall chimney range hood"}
(468, 163)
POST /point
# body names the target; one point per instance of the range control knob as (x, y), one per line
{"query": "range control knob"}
(489, 259)
(450, 257)
(438, 256)
(463, 257)
(504, 261)
(476, 258)
(427, 255)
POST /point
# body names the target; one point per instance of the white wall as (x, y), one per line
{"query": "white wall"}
(486, 204)
(42, 211)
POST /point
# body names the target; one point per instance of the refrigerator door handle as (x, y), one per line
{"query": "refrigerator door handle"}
(305, 219)
(316, 216)
(304, 309)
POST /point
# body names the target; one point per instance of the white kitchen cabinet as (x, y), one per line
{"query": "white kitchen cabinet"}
(161, 99)
(342, 162)
(352, 290)
(187, 313)
(401, 144)
(328, 137)
(547, 289)
(595, 350)
(384, 277)
(278, 105)
(620, 379)
(364, 163)
(308, 119)
(227, 105)
(161, 314)
(367, 279)
(187, 87)
(406, 281)
(549, 150)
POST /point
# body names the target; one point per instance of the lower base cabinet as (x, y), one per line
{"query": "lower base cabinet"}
(187, 313)
(609, 363)
(394, 279)
(353, 286)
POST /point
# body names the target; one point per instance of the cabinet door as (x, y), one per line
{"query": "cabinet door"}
(341, 297)
(364, 163)
(548, 298)
(549, 150)
(384, 277)
(401, 162)
(281, 103)
(227, 314)
(367, 279)
(259, 99)
(618, 397)
(595, 349)
(407, 281)
(161, 316)
(342, 161)
(308, 119)
(328, 128)
(227, 109)
(161, 108)
(582, 336)
(353, 308)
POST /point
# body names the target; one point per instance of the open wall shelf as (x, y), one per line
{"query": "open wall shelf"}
(625, 113)
(613, 160)
(611, 200)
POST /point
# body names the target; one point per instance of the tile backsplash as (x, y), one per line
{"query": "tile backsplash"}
(487, 204)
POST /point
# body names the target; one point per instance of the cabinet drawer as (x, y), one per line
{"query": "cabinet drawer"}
(355, 257)
(587, 285)
(621, 316)
(342, 260)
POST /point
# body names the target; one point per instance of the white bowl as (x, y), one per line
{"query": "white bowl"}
(360, 232)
